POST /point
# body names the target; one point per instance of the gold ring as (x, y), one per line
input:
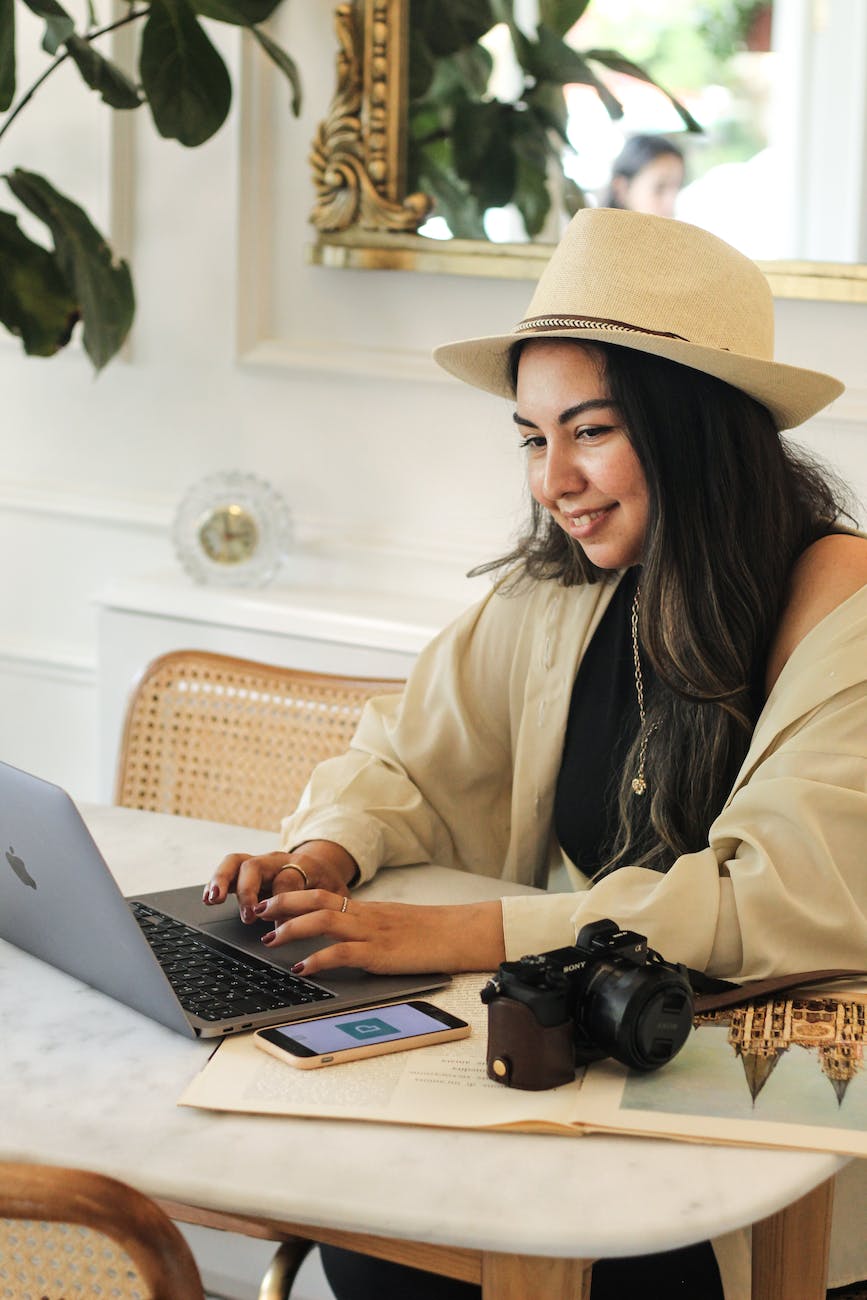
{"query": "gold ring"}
(345, 905)
(293, 866)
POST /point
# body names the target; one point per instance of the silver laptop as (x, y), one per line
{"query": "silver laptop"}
(196, 969)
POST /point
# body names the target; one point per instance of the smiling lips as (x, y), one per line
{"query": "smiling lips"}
(587, 518)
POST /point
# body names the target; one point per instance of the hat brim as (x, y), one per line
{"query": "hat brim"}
(790, 393)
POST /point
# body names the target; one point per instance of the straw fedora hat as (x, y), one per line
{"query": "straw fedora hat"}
(661, 286)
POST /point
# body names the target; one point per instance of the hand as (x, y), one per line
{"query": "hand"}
(317, 864)
(385, 937)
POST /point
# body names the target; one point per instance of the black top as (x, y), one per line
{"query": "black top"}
(603, 722)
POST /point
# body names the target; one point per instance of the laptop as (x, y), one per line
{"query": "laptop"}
(198, 970)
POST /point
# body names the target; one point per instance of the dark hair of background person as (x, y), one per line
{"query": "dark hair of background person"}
(731, 507)
(635, 155)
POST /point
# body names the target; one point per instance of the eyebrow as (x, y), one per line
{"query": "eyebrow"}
(593, 404)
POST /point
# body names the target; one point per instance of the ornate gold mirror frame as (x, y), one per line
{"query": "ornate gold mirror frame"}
(365, 219)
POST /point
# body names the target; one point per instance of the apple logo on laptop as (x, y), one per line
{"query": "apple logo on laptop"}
(19, 868)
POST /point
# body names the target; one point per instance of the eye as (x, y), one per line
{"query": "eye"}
(535, 442)
(592, 431)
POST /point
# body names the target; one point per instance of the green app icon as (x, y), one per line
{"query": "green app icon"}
(372, 1027)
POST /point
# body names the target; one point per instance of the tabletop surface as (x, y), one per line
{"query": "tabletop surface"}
(88, 1082)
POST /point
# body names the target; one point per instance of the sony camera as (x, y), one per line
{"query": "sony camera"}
(608, 995)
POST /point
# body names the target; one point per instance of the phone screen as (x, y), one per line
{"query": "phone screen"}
(355, 1028)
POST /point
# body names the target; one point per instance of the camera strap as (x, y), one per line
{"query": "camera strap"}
(714, 994)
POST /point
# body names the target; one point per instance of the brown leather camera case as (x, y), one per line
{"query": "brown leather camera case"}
(524, 1054)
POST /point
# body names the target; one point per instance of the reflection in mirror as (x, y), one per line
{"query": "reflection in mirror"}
(484, 136)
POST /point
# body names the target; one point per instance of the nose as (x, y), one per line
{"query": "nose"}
(563, 474)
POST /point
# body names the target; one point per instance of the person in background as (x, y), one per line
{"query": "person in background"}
(646, 176)
(664, 692)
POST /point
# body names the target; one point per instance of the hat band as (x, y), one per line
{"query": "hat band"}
(590, 322)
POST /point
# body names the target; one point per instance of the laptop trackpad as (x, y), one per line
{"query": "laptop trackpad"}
(249, 938)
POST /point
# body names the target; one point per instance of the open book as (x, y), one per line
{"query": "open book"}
(788, 1072)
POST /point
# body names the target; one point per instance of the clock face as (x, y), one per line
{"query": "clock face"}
(232, 529)
(229, 535)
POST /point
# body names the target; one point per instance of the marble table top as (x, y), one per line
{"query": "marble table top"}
(88, 1082)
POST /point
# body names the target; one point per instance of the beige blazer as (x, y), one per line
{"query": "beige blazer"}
(460, 770)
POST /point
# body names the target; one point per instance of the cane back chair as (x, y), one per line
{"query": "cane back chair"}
(232, 740)
(68, 1232)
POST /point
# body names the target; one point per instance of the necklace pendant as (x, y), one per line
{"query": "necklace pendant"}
(639, 785)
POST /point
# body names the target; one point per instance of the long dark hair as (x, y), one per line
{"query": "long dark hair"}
(731, 507)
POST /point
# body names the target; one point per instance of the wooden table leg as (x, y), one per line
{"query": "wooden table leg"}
(791, 1249)
(519, 1277)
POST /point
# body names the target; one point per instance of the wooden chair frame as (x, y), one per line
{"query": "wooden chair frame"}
(48, 1194)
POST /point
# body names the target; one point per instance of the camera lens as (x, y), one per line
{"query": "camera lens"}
(640, 1015)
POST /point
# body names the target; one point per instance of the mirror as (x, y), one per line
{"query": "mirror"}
(366, 218)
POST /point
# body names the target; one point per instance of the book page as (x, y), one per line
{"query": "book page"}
(445, 1085)
(784, 1072)
(787, 1071)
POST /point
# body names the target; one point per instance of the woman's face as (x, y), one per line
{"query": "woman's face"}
(581, 466)
(654, 188)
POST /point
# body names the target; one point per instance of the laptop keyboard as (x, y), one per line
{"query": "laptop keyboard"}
(209, 982)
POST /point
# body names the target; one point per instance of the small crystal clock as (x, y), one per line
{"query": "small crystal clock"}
(232, 529)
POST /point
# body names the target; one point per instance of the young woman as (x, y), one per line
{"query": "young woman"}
(646, 176)
(665, 689)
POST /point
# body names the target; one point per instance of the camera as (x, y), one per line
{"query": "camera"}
(607, 995)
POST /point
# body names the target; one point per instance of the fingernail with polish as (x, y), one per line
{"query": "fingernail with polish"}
(298, 968)
(247, 914)
(213, 893)
(260, 907)
(269, 937)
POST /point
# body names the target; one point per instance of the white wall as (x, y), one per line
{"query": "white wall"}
(245, 357)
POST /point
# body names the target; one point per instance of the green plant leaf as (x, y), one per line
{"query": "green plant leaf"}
(612, 59)
(450, 86)
(7, 53)
(101, 287)
(184, 78)
(114, 86)
(446, 28)
(531, 194)
(241, 13)
(58, 24)
(474, 65)
(452, 199)
(35, 302)
(547, 102)
(531, 197)
(574, 198)
(550, 59)
(483, 152)
(286, 65)
(421, 64)
(561, 15)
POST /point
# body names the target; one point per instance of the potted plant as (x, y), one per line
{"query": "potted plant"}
(46, 289)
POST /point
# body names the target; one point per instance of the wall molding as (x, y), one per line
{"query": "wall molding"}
(372, 363)
(48, 661)
(137, 513)
(313, 545)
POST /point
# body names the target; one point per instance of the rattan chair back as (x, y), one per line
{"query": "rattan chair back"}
(68, 1232)
(233, 740)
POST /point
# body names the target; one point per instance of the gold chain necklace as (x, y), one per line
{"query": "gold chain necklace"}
(639, 785)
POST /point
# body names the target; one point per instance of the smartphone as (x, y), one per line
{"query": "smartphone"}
(328, 1040)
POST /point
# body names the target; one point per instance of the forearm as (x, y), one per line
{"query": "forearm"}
(470, 936)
